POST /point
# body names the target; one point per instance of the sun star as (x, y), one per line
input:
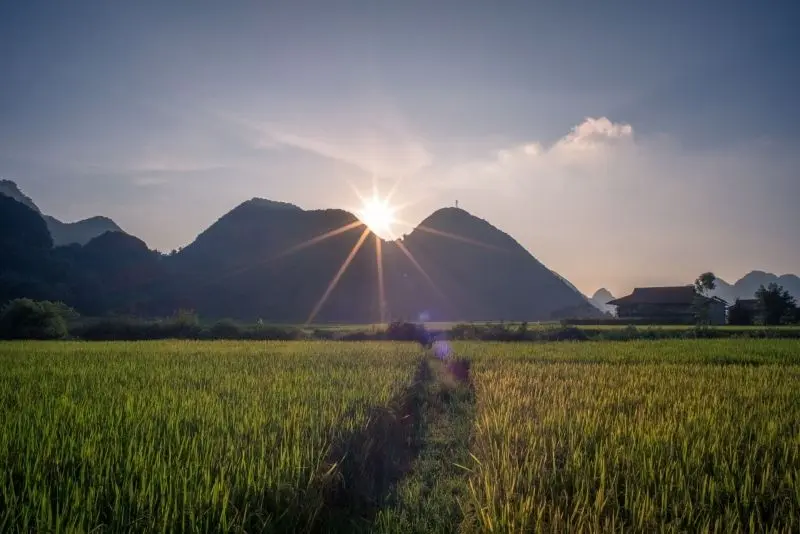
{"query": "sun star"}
(378, 215)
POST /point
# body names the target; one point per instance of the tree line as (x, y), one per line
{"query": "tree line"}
(772, 305)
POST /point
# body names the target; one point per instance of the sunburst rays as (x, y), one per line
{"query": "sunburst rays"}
(383, 304)
(456, 237)
(322, 237)
(419, 268)
(338, 276)
(294, 248)
(381, 288)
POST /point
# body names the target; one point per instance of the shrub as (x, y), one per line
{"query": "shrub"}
(30, 319)
(403, 331)
(225, 329)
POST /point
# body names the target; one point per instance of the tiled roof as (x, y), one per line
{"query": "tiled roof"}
(658, 295)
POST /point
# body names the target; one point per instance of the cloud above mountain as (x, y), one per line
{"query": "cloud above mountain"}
(640, 206)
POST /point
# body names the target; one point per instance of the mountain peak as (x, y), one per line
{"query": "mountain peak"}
(448, 215)
(747, 285)
(10, 189)
(257, 202)
(80, 232)
(463, 225)
(601, 298)
(602, 295)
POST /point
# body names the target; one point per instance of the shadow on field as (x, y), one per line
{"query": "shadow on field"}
(365, 466)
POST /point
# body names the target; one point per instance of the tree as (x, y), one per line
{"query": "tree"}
(775, 304)
(703, 285)
(739, 314)
(30, 319)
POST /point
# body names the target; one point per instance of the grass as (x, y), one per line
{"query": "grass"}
(428, 500)
(642, 436)
(168, 436)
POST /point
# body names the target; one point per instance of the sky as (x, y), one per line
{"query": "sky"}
(622, 143)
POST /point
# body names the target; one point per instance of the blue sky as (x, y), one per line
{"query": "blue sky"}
(623, 143)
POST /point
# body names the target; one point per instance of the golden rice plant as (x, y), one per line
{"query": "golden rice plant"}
(675, 436)
(181, 436)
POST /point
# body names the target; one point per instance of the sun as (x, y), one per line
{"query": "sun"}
(378, 215)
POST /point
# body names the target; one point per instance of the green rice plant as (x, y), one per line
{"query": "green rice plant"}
(676, 436)
(178, 436)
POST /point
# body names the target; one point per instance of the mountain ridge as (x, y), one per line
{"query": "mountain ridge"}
(63, 233)
(601, 298)
(272, 260)
(746, 286)
(275, 260)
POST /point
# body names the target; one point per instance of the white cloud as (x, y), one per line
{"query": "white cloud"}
(588, 147)
(602, 204)
(375, 144)
(374, 153)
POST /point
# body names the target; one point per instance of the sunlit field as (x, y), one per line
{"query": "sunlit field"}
(640, 436)
(177, 435)
(681, 436)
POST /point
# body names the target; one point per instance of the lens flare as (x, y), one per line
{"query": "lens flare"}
(378, 215)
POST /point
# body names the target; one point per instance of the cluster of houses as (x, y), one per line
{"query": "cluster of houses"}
(669, 305)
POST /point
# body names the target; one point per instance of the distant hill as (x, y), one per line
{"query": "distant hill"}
(278, 262)
(745, 287)
(601, 298)
(479, 273)
(79, 232)
(253, 263)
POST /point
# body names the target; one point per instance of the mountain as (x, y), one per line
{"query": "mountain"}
(113, 272)
(474, 271)
(278, 262)
(275, 262)
(25, 246)
(10, 189)
(79, 232)
(745, 287)
(601, 298)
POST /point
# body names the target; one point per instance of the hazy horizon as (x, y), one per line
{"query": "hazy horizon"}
(621, 146)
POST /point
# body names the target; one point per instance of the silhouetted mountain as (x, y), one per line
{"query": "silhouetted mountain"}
(11, 189)
(79, 232)
(114, 272)
(601, 298)
(478, 273)
(252, 264)
(277, 262)
(25, 246)
(270, 261)
(745, 287)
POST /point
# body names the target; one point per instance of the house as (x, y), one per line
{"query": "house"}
(669, 305)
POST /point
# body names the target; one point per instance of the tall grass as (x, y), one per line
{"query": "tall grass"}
(181, 436)
(645, 437)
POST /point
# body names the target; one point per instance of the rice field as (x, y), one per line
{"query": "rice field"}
(177, 436)
(677, 436)
(181, 436)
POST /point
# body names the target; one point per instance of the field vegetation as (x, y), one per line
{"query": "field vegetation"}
(174, 436)
(674, 435)
(678, 436)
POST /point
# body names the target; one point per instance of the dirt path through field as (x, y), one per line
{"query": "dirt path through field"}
(402, 474)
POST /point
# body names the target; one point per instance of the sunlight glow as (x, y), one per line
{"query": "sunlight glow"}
(338, 275)
(378, 215)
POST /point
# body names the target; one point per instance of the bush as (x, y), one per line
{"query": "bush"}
(180, 326)
(403, 331)
(30, 319)
(225, 329)
(569, 333)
